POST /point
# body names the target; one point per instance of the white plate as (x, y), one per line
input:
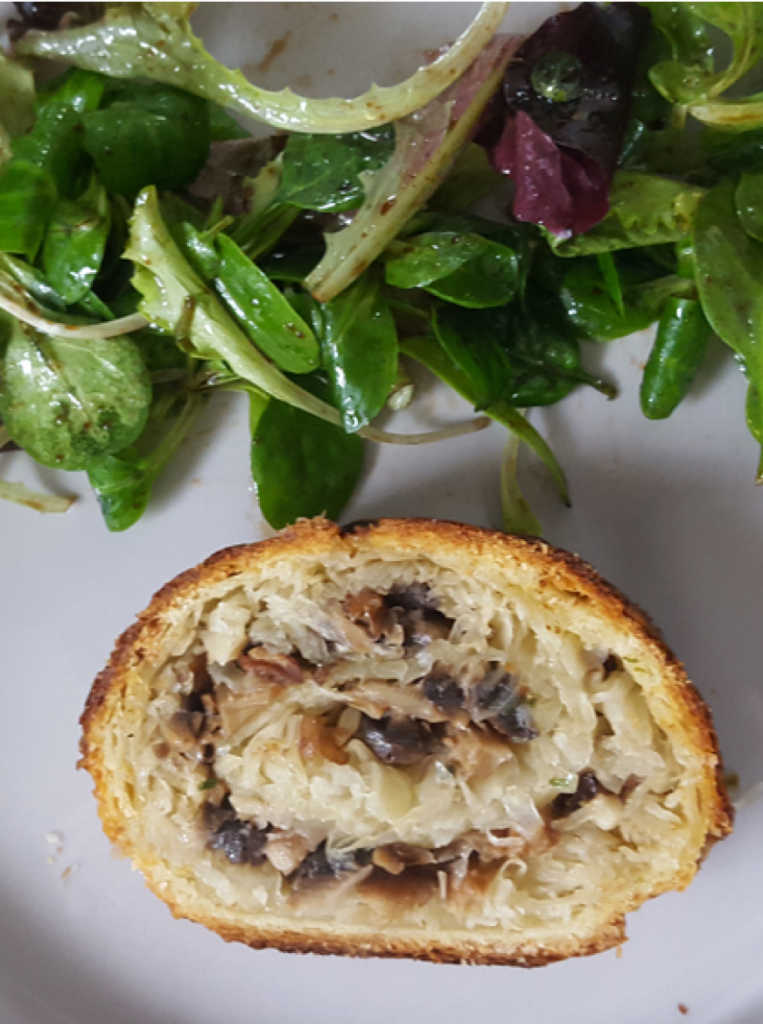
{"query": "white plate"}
(668, 512)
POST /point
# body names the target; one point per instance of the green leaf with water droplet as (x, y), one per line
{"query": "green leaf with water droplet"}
(67, 401)
(263, 312)
(75, 243)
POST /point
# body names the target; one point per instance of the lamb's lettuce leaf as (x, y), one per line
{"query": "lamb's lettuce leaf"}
(359, 344)
(148, 134)
(75, 243)
(262, 312)
(427, 351)
(323, 172)
(173, 293)
(729, 271)
(464, 268)
(28, 197)
(67, 401)
(749, 204)
(301, 466)
(55, 142)
(123, 481)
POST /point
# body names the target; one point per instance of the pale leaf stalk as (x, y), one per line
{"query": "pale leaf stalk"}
(15, 301)
(155, 41)
(19, 494)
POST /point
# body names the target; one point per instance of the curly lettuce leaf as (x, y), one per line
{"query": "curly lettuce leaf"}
(155, 41)
(693, 78)
(644, 210)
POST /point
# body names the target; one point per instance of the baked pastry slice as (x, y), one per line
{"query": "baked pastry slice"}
(407, 738)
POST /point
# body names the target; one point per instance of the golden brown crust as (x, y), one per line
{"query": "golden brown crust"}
(434, 950)
(550, 568)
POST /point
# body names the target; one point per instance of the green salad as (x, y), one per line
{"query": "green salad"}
(153, 252)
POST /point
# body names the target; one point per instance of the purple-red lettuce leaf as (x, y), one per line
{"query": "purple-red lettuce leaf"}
(559, 131)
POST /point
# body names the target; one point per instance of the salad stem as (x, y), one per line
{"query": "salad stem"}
(82, 332)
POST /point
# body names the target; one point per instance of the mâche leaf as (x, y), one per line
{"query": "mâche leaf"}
(476, 343)
(55, 142)
(28, 197)
(464, 268)
(323, 172)
(359, 344)
(729, 271)
(302, 466)
(123, 481)
(592, 309)
(544, 351)
(67, 402)
(262, 312)
(675, 359)
(749, 204)
(149, 134)
(430, 353)
(75, 243)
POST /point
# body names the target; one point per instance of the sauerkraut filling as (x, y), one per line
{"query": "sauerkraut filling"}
(445, 761)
